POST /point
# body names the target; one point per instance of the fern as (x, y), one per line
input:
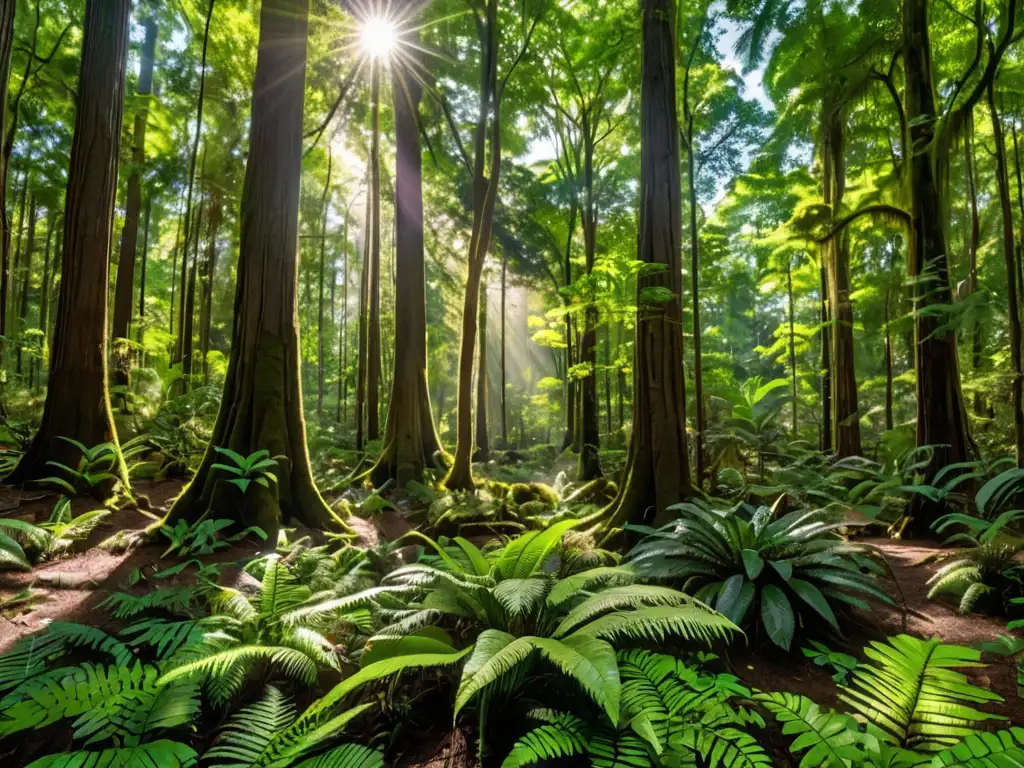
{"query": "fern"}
(165, 635)
(985, 750)
(828, 739)
(29, 656)
(564, 735)
(346, 756)
(914, 695)
(690, 622)
(155, 754)
(726, 747)
(172, 599)
(293, 663)
(620, 598)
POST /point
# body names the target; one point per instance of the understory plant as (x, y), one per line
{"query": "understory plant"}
(24, 544)
(775, 573)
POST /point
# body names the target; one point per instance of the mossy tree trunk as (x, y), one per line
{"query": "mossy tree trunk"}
(483, 384)
(589, 465)
(44, 300)
(836, 255)
(657, 472)
(7, 8)
(410, 439)
(973, 243)
(207, 276)
(373, 315)
(77, 405)
(26, 279)
(125, 282)
(140, 330)
(321, 344)
(262, 403)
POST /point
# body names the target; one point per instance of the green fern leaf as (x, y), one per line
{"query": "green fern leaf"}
(564, 736)
(571, 586)
(619, 598)
(156, 754)
(346, 756)
(985, 750)
(828, 739)
(726, 747)
(690, 622)
(28, 658)
(520, 596)
(293, 663)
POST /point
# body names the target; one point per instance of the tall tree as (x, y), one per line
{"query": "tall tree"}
(7, 8)
(77, 405)
(657, 472)
(124, 285)
(410, 440)
(262, 404)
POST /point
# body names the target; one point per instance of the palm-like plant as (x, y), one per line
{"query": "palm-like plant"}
(989, 572)
(672, 714)
(518, 610)
(795, 566)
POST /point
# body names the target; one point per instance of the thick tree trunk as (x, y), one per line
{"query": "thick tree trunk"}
(941, 417)
(7, 8)
(207, 276)
(262, 403)
(188, 319)
(77, 405)
(698, 377)
(570, 359)
(124, 285)
(589, 465)
(20, 234)
(657, 472)
(608, 377)
(363, 329)
(174, 273)
(342, 408)
(373, 317)
(1009, 259)
(26, 280)
(845, 414)
(410, 439)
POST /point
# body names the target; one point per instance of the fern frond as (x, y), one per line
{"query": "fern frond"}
(155, 754)
(248, 738)
(316, 611)
(914, 694)
(828, 739)
(619, 598)
(726, 747)
(29, 655)
(520, 596)
(573, 585)
(166, 635)
(278, 592)
(172, 599)
(564, 736)
(690, 622)
(984, 750)
(346, 756)
(291, 662)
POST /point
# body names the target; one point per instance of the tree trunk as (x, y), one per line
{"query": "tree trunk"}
(657, 472)
(7, 8)
(26, 280)
(698, 377)
(20, 234)
(608, 377)
(836, 252)
(77, 405)
(206, 280)
(188, 318)
(321, 346)
(483, 439)
(941, 417)
(570, 384)
(342, 407)
(485, 191)
(888, 367)
(504, 370)
(373, 319)
(410, 439)
(187, 273)
(825, 441)
(140, 330)
(262, 403)
(589, 465)
(973, 242)
(174, 273)
(792, 348)
(1006, 209)
(44, 301)
(124, 285)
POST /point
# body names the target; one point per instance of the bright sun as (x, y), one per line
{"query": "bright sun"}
(378, 37)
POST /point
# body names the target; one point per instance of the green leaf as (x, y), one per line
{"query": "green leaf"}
(811, 595)
(753, 564)
(156, 754)
(734, 600)
(777, 615)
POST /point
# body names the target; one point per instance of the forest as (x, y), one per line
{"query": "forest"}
(492, 384)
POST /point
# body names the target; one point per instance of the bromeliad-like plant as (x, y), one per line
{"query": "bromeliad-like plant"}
(785, 571)
(916, 707)
(988, 574)
(515, 607)
(671, 714)
(23, 544)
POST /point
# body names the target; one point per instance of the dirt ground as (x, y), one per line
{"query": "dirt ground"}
(760, 666)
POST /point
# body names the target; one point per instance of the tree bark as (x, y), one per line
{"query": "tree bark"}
(124, 285)
(410, 439)
(483, 441)
(792, 348)
(342, 406)
(698, 378)
(207, 276)
(7, 8)
(941, 416)
(188, 318)
(504, 370)
(364, 301)
(570, 384)
(836, 253)
(44, 300)
(77, 404)
(262, 403)
(20, 230)
(26, 280)
(1009, 259)
(321, 346)
(589, 465)
(657, 472)
(973, 242)
(141, 331)
(825, 438)
(373, 318)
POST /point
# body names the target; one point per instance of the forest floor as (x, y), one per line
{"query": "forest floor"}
(94, 573)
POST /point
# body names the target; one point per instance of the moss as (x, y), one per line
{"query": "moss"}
(521, 493)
